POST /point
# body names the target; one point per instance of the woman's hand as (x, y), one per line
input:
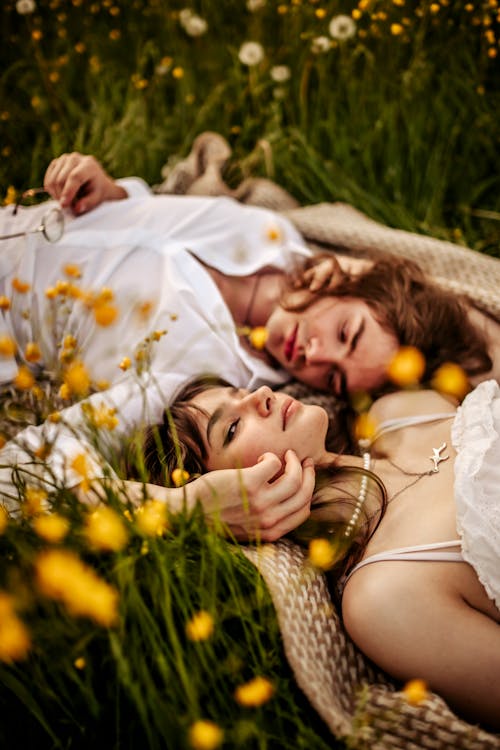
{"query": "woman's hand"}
(80, 182)
(252, 503)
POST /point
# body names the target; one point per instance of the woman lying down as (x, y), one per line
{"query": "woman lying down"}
(415, 520)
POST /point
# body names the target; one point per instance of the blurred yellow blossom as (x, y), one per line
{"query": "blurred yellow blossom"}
(321, 553)
(180, 477)
(151, 518)
(80, 662)
(8, 346)
(415, 691)
(15, 640)
(451, 379)
(51, 527)
(20, 286)
(81, 465)
(200, 626)
(72, 270)
(64, 392)
(104, 530)
(178, 72)
(62, 576)
(24, 379)
(101, 416)
(33, 500)
(54, 417)
(364, 427)
(255, 692)
(11, 195)
(105, 314)
(205, 735)
(407, 366)
(32, 352)
(4, 302)
(4, 519)
(396, 29)
(77, 379)
(125, 363)
(258, 337)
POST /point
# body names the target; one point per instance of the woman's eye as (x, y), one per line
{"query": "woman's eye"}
(231, 432)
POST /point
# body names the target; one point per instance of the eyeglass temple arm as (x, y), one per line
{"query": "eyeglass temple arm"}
(20, 234)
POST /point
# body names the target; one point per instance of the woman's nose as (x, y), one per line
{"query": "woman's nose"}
(262, 400)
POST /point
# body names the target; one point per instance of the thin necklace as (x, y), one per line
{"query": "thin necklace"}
(251, 303)
(364, 445)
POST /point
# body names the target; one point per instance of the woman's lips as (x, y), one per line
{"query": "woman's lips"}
(290, 344)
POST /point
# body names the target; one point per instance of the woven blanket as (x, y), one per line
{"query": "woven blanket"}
(354, 699)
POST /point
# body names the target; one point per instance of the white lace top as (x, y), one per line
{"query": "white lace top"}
(476, 437)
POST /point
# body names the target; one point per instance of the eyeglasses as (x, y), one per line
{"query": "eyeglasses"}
(52, 224)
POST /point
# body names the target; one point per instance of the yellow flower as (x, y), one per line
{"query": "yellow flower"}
(8, 346)
(151, 518)
(62, 576)
(69, 342)
(321, 553)
(396, 29)
(32, 352)
(105, 531)
(364, 427)
(36, 35)
(24, 379)
(80, 48)
(101, 416)
(255, 692)
(407, 366)
(34, 498)
(11, 195)
(14, 638)
(105, 314)
(54, 417)
(80, 663)
(451, 379)
(72, 270)
(205, 735)
(258, 337)
(20, 286)
(125, 364)
(178, 72)
(64, 392)
(4, 519)
(415, 691)
(4, 302)
(200, 626)
(80, 464)
(77, 379)
(180, 477)
(43, 451)
(158, 334)
(53, 528)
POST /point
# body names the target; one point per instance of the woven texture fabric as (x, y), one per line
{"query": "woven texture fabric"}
(351, 696)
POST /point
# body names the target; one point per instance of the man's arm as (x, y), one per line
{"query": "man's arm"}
(79, 182)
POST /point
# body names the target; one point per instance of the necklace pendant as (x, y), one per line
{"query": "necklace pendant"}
(436, 457)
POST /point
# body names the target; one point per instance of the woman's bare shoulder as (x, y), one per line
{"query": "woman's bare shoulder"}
(411, 403)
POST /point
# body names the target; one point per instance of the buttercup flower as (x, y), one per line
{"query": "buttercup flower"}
(280, 73)
(34, 498)
(415, 691)
(81, 465)
(4, 302)
(20, 286)
(251, 53)
(342, 27)
(406, 367)
(77, 379)
(125, 364)
(4, 519)
(254, 693)
(258, 337)
(151, 518)
(53, 528)
(104, 530)
(8, 346)
(200, 626)
(452, 380)
(180, 477)
(24, 379)
(205, 735)
(80, 663)
(14, 637)
(321, 554)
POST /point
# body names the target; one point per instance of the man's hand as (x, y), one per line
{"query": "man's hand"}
(252, 503)
(80, 182)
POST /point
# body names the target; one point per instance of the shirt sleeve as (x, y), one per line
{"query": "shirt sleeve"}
(135, 186)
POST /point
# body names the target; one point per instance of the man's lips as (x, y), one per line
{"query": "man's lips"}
(290, 344)
(287, 410)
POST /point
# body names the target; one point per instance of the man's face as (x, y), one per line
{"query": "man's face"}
(336, 344)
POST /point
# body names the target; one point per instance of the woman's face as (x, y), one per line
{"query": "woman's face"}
(336, 344)
(240, 426)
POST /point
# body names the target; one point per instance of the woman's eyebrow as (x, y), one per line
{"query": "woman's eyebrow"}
(217, 414)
